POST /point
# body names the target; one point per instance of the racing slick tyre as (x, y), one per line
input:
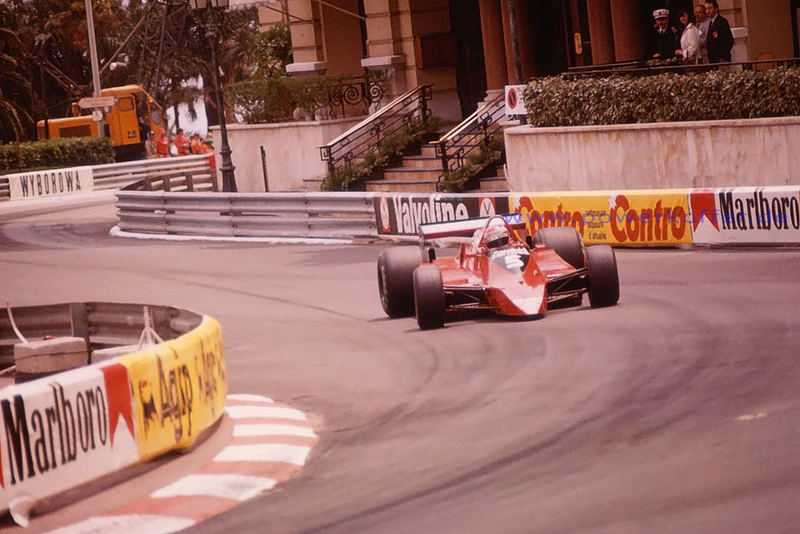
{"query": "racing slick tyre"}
(395, 279)
(429, 300)
(603, 276)
(566, 242)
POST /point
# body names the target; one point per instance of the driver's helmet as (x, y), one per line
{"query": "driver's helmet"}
(497, 236)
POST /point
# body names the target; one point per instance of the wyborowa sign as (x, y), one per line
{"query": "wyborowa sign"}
(53, 182)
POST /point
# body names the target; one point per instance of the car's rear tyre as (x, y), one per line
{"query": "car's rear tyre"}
(603, 276)
(395, 279)
(565, 241)
(429, 299)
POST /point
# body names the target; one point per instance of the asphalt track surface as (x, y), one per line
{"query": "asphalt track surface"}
(676, 411)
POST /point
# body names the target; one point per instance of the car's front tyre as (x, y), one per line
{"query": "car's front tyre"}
(429, 298)
(603, 276)
(395, 279)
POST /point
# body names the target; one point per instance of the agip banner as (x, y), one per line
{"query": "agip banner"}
(630, 218)
(754, 215)
(179, 389)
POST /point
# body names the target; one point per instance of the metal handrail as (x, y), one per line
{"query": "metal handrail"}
(368, 134)
(469, 136)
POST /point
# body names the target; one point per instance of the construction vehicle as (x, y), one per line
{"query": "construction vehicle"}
(130, 118)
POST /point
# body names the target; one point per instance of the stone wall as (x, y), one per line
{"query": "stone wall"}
(292, 152)
(755, 152)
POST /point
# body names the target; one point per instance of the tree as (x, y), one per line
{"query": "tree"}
(15, 120)
(44, 59)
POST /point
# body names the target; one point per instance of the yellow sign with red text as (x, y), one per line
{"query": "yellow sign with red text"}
(179, 389)
(630, 218)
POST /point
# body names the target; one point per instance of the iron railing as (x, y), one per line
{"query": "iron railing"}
(357, 94)
(471, 135)
(366, 136)
(645, 68)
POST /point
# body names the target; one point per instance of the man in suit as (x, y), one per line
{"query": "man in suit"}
(702, 22)
(720, 39)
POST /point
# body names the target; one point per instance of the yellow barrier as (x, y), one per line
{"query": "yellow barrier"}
(179, 389)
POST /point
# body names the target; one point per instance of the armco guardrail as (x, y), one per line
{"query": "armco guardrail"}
(194, 168)
(76, 426)
(657, 217)
(324, 215)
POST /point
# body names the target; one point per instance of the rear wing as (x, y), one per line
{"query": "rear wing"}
(464, 227)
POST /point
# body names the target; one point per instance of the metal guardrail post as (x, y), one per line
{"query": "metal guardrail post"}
(264, 168)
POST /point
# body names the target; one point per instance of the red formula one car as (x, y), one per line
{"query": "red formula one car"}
(495, 269)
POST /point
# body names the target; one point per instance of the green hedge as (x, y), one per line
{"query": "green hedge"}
(712, 95)
(55, 153)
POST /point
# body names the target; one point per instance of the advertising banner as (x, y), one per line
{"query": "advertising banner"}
(62, 431)
(48, 183)
(630, 218)
(755, 215)
(400, 214)
(179, 389)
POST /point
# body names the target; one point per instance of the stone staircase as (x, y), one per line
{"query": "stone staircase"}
(416, 173)
(419, 173)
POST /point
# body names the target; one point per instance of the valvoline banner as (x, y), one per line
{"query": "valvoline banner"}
(755, 215)
(401, 214)
(630, 218)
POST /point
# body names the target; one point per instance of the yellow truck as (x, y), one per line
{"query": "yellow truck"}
(132, 116)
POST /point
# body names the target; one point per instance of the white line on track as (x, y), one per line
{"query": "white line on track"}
(243, 431)
(236, 487)
(116, 232)
(271, 452)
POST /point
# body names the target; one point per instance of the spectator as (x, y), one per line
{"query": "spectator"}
(690, 40)
(196, 144)
(181, 143)
(162, 144)
(150, 146)
(144, 128)
(664, 40)
(720, 39)
(208, 148)
(701, 23)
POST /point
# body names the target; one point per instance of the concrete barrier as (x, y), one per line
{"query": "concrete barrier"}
(70, 428)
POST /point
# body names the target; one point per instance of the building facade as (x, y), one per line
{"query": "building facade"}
(470, 48)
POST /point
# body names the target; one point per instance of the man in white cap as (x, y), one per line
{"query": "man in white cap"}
(664, 40)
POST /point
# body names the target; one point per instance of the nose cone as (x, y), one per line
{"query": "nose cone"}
(522, 300)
